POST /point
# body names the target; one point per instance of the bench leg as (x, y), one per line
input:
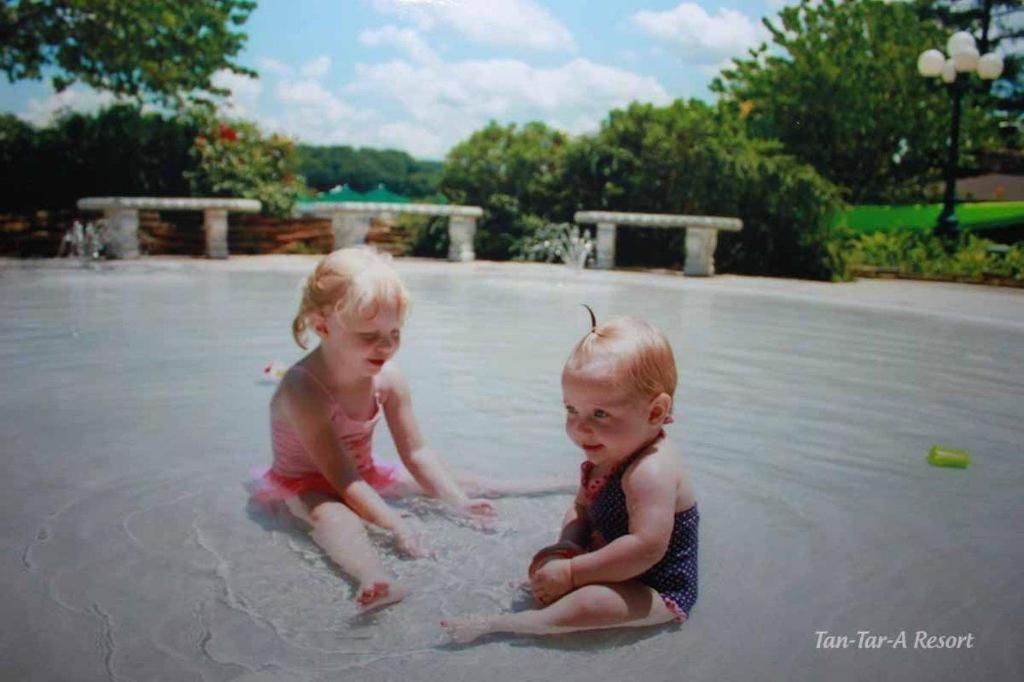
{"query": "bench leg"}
(349, 229)
(461, 231)
(122, 232)
(215, 225)
(606, 245)
(700, 251)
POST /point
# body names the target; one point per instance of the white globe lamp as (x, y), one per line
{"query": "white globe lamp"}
(990, 66)
(930, 63)
(959, 41)
(966, 60)
(948, 71)
(963, 57)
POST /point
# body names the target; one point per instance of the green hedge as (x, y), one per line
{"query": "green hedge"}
(921, 253)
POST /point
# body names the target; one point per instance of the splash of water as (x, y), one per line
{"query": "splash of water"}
(563, 242)
(88, 242)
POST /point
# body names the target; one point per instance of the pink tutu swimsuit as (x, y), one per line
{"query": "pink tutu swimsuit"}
(293, 470)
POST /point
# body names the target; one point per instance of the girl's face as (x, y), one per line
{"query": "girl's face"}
(602, 416)
(364, 344)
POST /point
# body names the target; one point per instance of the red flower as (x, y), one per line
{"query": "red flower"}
(227, 133)
(200, 141)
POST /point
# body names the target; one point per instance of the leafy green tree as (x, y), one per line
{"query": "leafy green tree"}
(516, 174)
(691, 158)
(233, 159)
(117, 151)
(839, 88)
(997, 25)
(364, 169)
(166, 49)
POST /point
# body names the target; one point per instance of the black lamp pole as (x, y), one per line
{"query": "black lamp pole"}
(948, 226)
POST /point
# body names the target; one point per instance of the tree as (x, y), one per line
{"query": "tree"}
(364, 169)
(165, 49)
(516, 175)
(998, 26)
(118, 151)
(691, 158)
(839, 88)
(232, 159)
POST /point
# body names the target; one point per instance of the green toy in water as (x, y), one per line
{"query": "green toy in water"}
(943, 456)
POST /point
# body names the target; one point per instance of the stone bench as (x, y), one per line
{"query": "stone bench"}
(122, 218)
(701, 235)
(350, 222)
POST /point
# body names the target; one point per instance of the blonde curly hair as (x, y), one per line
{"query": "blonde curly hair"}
(350, 281)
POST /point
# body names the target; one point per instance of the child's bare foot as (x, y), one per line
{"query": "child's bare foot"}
(465, 630)
(374, 594)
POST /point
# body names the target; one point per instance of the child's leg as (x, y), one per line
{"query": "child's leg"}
(342, 535)
(591, 607)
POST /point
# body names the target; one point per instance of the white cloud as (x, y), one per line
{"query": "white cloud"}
(313, 113)
(405, 39)
(311, 97)
(455, 98)
(272, 66)
(424, 105)
(245, 93)
(417, 140)
(317, 68)
(520, 23)
(701, 37)
(79, 98)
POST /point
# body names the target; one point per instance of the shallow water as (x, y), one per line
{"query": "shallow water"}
(133, 410)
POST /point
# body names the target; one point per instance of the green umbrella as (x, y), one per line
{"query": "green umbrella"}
(340, 194)
(385, 196)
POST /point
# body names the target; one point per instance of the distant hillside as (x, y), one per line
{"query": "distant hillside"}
(363, 169)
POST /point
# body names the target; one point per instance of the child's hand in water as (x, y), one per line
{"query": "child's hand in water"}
(411, 543)
(479, 511)
(552, 580)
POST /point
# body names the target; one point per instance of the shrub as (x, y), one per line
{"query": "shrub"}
(516, 175)
(428, 235)
(691, 158)
(119, 151)
(918, 253)
(233, 159)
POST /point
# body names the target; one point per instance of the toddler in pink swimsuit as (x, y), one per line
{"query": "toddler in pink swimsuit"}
(322, 418)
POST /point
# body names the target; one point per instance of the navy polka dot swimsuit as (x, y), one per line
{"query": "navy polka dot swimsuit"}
(674, 577)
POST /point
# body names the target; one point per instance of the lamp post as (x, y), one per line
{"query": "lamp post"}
(963, 59)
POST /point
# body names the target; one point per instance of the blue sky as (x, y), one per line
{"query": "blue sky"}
(420, 75)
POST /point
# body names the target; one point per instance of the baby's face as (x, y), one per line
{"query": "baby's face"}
(602, 416)
(367, 342)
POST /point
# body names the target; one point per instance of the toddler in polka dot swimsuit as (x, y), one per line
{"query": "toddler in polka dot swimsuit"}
(627, 553)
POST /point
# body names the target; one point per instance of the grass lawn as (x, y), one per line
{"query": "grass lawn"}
(976, 217)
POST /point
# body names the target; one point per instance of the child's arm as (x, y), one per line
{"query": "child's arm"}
(575, 524)
(574, 538)
(311, 418)
(419, 458)
(650, 490)
(573, 541)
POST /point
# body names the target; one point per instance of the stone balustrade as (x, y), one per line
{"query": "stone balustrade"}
(350, 222)
(701, 235)
(122, 218)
